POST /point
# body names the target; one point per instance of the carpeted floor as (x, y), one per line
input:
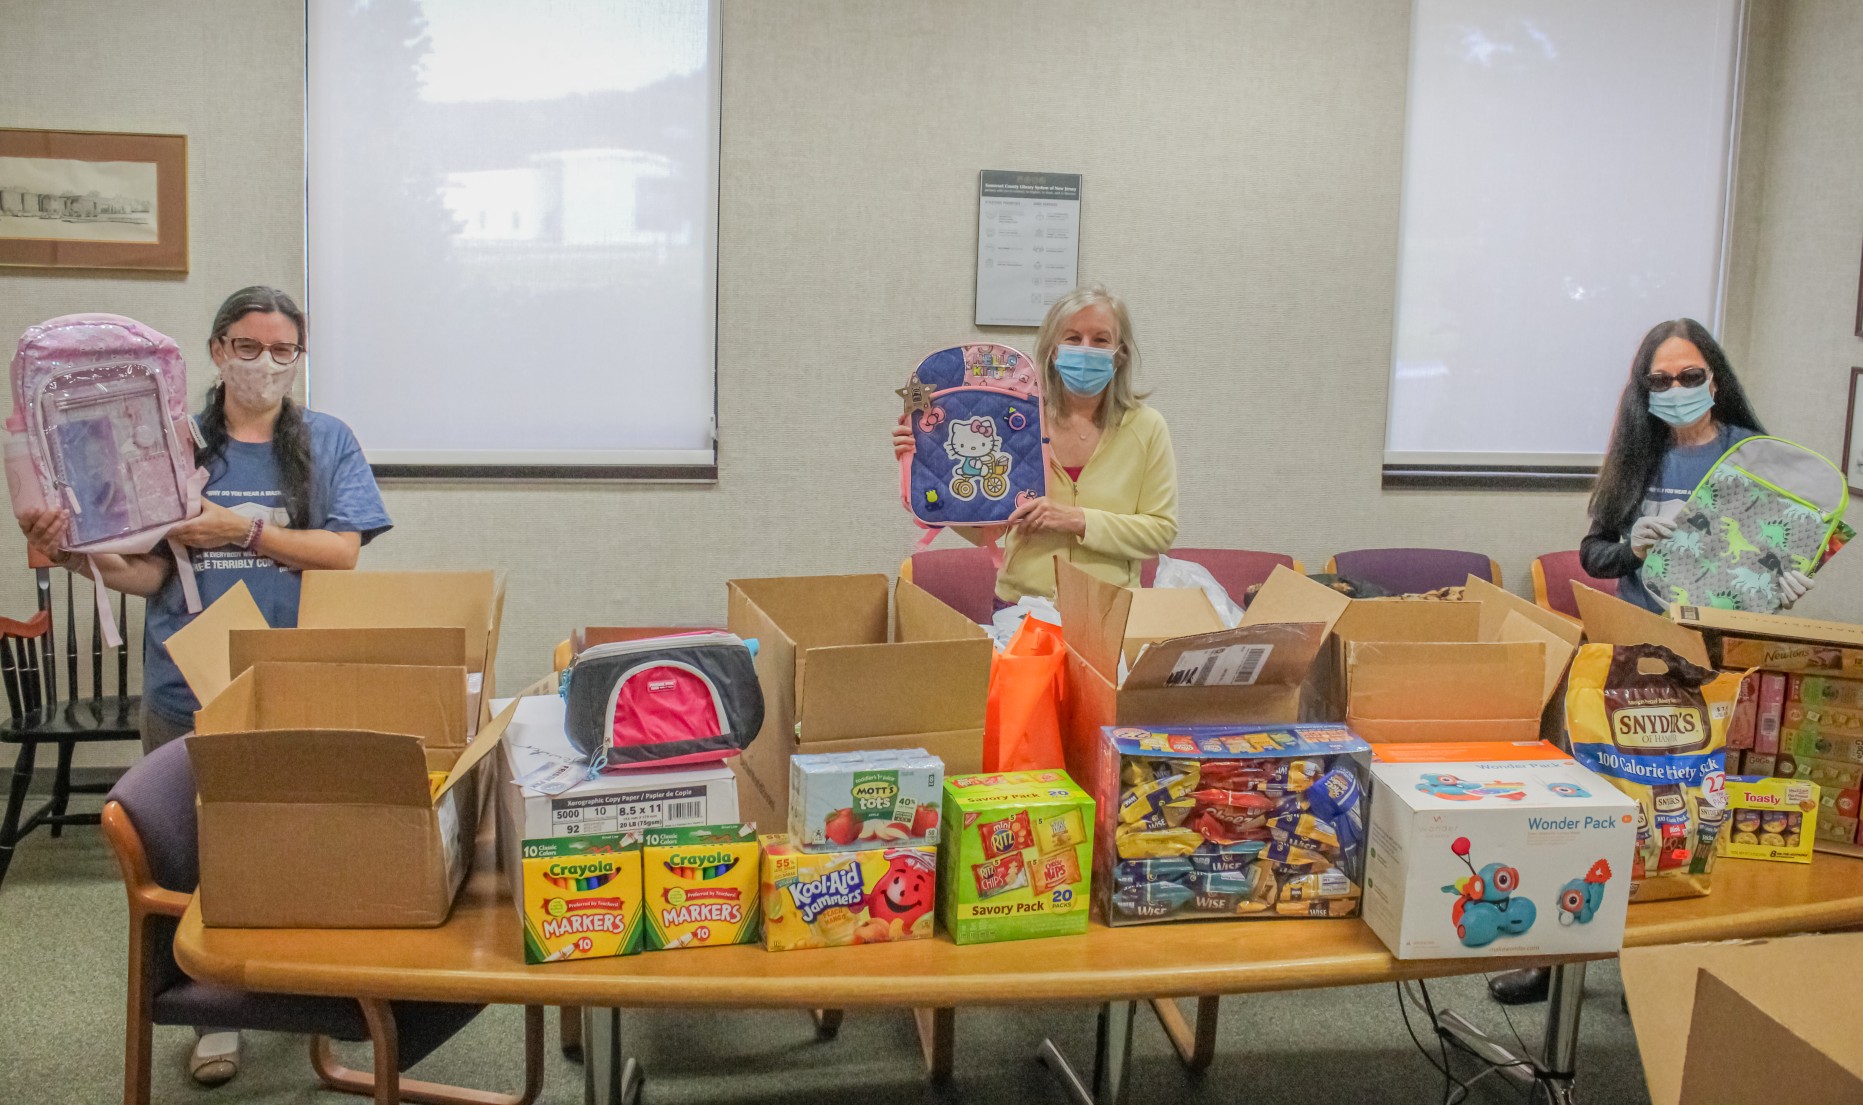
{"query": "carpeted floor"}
(62, 933)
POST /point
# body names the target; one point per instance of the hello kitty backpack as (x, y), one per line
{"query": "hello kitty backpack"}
(980, 446)
(1767, 507)
(100, 427)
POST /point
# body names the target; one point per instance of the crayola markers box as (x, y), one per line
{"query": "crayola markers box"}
(1017, 856)
(700, 885)
(580, 897)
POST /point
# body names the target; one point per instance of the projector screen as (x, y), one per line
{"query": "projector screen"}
(1566, 169)
(511, 233)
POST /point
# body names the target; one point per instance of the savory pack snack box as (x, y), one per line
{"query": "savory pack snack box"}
(1230, 822)
(580, 897)
(1017, 856)
(864, 800)
(700, 884)
(834, 899)
(1770, 819)
(1495, 849)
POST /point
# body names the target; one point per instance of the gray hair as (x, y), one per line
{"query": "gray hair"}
(1120, 394)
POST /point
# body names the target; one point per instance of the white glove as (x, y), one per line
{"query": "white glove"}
(1792, 587)
(1647, 532)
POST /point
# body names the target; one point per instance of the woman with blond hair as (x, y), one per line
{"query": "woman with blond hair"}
(1112, 478)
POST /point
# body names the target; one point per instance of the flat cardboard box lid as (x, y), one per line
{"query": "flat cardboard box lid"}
(1609, 620)
(1102, 621)
(1287, 596)
(201, 648)
(424, 648)
(1248, 655)
(1768, 627)
(1720, 1024)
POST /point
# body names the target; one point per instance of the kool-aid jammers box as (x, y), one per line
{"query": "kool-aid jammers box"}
(858, 800)
(700, 886)
(1017, 856)
(835, 899)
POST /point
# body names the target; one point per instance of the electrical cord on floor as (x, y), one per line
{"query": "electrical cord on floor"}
(1455, 1091)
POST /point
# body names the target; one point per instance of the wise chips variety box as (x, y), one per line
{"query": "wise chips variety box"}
(834, 899)
(1017, 857)
(700, 885)
(864, 800)
(581, 897)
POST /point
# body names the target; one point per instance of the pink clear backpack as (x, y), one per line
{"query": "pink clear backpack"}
(100, 427)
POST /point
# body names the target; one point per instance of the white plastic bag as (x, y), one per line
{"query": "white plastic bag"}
(1005, 622)
(1187, 573)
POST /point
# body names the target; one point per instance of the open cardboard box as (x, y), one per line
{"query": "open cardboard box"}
(1735, 1023)
(843, 670)
(316, 805)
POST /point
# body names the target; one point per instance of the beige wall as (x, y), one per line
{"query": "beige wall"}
(1241, 165)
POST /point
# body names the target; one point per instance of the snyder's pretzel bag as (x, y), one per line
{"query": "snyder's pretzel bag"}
(1655, 725)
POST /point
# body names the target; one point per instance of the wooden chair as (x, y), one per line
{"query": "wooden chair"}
(1553, 576)
(39, 716)
(1414, 571)
(149, 820)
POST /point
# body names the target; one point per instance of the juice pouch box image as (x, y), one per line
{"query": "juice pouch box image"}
(1655, 725)
(862, 800)
(1227, 822)
(1770, 819)
(581, 897)
(700, 886)
(835, 899)
(1017, 857)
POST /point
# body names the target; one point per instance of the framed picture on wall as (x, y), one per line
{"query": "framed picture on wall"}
(1853, 434)
(72, 199)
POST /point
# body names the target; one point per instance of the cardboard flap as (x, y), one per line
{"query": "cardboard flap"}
(426, 703)
(1163, 614)
(294, 766)
(919, 616)
(1409, 620)
(1288, 596)
(1290, 650)
(1445, 680)
(1771, 627)
(1610, 620)
(1727, 1031)
(880, 690)
(1558, 654)
(1498, 601)
(490, 735)
(823, 610)
(399, 600)
(440, 647)
(1093, 616)
(200, 648)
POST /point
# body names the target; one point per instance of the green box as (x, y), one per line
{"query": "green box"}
(1016, 856)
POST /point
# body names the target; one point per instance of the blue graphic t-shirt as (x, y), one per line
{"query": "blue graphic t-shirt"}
(1683, 468)
(343, 499)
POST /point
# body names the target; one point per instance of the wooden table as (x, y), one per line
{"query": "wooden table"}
(476, 957)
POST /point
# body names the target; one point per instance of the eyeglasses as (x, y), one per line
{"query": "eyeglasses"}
(248, 349)
(1688, 378)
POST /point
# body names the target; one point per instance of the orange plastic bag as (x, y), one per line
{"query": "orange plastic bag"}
(1022, 720)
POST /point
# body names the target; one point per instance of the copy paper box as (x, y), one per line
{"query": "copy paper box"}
(701, 886)
(1753, 1020)
(1017, 857)
(842, 669)
(580, 898)
(1495, 850)
(835, 899)
(1191, 671)
(317, 802)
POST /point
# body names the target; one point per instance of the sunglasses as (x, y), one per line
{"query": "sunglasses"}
(1688, 378)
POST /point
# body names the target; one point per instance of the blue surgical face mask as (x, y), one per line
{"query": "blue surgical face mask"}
(1681, 406)
(1085, 369)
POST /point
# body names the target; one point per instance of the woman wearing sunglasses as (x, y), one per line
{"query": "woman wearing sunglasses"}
(1681, 411)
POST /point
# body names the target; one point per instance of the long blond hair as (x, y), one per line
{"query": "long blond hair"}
(1120, 394)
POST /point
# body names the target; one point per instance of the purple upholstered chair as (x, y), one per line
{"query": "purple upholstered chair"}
(149, 821)
(963, 579)
(1236, 569)
(1414, 571)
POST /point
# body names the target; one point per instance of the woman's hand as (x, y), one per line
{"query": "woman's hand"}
(215, 527)
(45, 532)
(1647, 532)
(1793, 585)
(903, 441)
(1044, 515)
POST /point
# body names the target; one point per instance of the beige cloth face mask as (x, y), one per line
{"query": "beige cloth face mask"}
(261, 383)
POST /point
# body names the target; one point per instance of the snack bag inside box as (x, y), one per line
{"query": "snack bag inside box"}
(1017, 856)
(835, 899)
(700, 886)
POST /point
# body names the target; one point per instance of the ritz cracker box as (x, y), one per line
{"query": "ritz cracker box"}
(835, 899)
(700, 885)
(580, 897)
(1017, 857)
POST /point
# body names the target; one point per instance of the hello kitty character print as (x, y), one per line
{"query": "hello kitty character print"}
(981, 463)
(979, 444)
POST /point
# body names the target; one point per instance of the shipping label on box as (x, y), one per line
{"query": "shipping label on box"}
(834, 899)
(1770, 819)
(1497, 858)
(581, 898)
(701, 886)
(1017, 859)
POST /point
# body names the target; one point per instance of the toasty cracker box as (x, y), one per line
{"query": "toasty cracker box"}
(1017, 856)
(700, 886)
(581, 897)
(834, 899)
(1770, 819)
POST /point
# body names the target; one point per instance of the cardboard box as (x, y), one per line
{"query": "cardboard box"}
(316, 805)
(701, 886)
(579, 897)
(1744, 726)
(1477, 854)
(835, 899)
(843, 670)
(1822, 690)
(1753, 1020)
(1769, 715)
(1777, 642)
(1775, 819)
(1017, 862)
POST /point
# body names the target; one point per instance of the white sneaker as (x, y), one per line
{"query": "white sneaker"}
(216, 1058)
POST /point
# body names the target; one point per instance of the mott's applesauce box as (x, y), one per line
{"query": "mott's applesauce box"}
(700, 886)
(1016, 857)
(1770, 819)
(858, 800)
(582, 897)
(834, 899)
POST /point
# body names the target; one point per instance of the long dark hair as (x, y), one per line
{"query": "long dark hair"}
(290, 437)
(1640, 440)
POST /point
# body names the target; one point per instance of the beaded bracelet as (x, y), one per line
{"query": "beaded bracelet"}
(253, 535)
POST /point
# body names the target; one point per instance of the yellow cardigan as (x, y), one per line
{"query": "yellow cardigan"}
(1129, 493)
